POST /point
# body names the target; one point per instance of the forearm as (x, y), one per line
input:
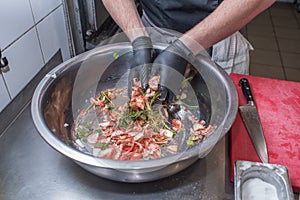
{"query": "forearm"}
(125, 14)
(229, 17)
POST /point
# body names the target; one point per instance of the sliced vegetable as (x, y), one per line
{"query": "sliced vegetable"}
(138, 129)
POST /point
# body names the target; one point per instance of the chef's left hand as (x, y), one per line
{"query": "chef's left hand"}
(170, 65)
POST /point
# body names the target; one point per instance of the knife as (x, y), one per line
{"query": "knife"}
(251, 120)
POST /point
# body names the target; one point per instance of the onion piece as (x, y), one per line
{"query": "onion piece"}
(92, 138)
(167, 133)
(172, 148)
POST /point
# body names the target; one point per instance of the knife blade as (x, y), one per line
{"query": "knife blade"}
(252, 122)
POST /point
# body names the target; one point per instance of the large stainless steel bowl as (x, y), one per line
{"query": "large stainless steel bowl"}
(65, 90)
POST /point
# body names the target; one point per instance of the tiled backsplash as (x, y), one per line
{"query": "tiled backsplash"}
(34, 31)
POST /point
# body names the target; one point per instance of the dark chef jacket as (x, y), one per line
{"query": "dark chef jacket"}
(179, 15)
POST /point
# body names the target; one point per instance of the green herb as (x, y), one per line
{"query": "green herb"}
(84, 139)
(102, 145)
(137, 114)
(68, 141)
(90, 106)
(107, 99)
(124, 118)
(89, 125)
(82, 132)
(124, 122)
(185, 82)
(156, 95)
(144, 116)
(191, 140)
(190, 143)
(170, 129)
(111, 108)
(116, 55)
(188, 106)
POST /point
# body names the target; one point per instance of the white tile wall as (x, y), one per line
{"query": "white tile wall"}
(41, 8)
(25, 60)
(4, 98)
(15, 19)
(53, 35)
(29, 30)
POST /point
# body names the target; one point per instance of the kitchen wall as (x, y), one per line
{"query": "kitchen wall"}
(31, 32)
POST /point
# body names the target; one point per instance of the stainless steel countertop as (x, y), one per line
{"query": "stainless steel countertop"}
(31, 169)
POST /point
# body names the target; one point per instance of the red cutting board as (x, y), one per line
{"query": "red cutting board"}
(278, 105)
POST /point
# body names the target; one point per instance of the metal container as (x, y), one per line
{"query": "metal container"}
(65, 91)
(261, 181)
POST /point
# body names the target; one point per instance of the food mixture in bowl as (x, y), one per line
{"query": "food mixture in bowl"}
(116, 128)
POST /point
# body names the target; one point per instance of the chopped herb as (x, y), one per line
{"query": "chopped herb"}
(156, 95)
(124, 118)
(90, 106)
(184, 83)
(84, 139)
(116, 55)
(68, 141)
(106, 99)
(188, 106)
(111, 107)
(191, 140)
(89, 125)
(102, 145)
(81, 132)
(136, 115)
(190, 143)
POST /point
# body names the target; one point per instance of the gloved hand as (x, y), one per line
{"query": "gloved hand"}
(143, 57)
(171, 64)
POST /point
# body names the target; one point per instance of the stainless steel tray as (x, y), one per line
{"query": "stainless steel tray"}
(261, 181)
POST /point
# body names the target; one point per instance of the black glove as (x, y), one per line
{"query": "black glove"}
(143, 57)
(171, 64)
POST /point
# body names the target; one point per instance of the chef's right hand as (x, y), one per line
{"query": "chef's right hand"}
(143, 54)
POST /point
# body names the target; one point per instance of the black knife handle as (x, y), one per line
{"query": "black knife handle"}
(244, 83)
(144, 75)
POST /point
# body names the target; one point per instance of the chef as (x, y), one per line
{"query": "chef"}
(212, 25)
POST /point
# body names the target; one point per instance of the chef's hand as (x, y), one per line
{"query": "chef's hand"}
(170, 64)
(143, 54)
